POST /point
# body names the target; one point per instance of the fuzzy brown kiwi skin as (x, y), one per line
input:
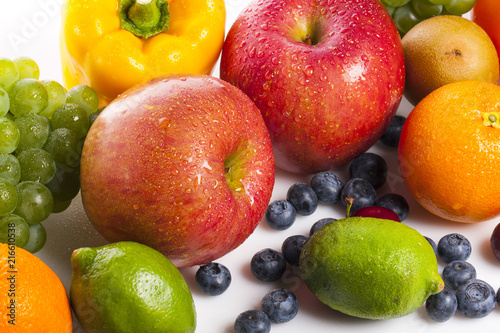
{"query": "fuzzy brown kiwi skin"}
(443, 50)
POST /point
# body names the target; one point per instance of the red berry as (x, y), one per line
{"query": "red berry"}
(378, 212)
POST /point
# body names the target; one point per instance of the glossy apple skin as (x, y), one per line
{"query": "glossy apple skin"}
(324, 103)
(183, 164)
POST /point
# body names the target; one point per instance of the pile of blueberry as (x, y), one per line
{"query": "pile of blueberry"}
(367, 173)
(472, 297)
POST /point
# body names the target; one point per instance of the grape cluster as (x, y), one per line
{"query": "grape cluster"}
(407, 13)
(42, 130)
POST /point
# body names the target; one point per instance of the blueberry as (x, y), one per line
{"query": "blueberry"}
(252, 321)
(441, 306)
(327, 187)
(371, 167)
(393, 132)
(268, 265)
(476, 298)
(361, 191)
(213, 279)
(292, 247)
(433, 244)
(498, 296)
(454, 247)
(303, 198)
(280, 215)
(397, 203)
(319, 224)
(280, 305)
(457, 272)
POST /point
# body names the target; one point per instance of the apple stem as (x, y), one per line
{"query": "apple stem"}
(308, 39)
(349, 200)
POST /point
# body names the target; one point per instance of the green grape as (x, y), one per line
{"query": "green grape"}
(63, 145)
(27, 96)
(57, 97)
(9, 136)
(34, 130)
(425, 9)
(460, 7)
(85, 97)
(10, 170)
(34, 201)
(9, 73)
(60, 206)
(28, 68)
(405, 19)
(94, 115)
(439, 2)
(73, 117)
(14, 230)
(10, 116)
(394, 3)
(37, 238)
(36, 165)
(65, 185)
(8, 197)
(390, 9)
(4, 102)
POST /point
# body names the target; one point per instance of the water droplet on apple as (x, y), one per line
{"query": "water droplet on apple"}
(251, 54)
(309, 70)
(275, 61)
(164, 122)
(323, 77)
(260, 54)
(136, 207)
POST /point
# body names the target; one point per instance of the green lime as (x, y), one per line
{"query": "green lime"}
(129, 287)
(370, 268)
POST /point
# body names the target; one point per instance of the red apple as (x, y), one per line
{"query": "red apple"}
(327, 76)
(183, 164)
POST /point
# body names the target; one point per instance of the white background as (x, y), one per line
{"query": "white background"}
(31, 28)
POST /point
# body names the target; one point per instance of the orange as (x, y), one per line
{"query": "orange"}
(485, 14)
(449, 151)
(31, 295)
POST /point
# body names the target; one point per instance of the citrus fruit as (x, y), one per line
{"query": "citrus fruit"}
(129, 287)
(449, 151)
(485, 14)
(446, 49)
(33, 297)
(370, 268)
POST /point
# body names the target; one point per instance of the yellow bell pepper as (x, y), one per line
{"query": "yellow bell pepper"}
(112, 45)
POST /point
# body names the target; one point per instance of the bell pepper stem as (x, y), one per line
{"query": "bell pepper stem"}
(144, 18)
